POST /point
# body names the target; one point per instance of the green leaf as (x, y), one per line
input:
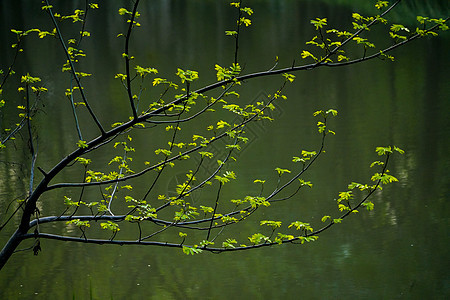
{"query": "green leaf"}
(398, 27)
(319, 23)
(306, 54)
(79, 223)
(187, 75)
(191, 250)
(228, 243)
(383, 150)
(245, 21)
(258, 238)
(29, 79)
(131, 218)
(163, 151)
(343, 207)
(110, 226)
(282, 171)
(247, 10)
(289, 77)
(325, 218)
(273, 224)
(376, 163)
(282, 237)
(82, 144)
(301, 226)
(399, 150)
(305, 183)
(333, 112)
(384, 178)
(308, 154)
(123, 11)
(256, 201)
(345, 196)
(68, 201)
(369, 205)
(360, 186)
(381, 4)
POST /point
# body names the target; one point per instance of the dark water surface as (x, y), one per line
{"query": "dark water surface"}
(397, 251)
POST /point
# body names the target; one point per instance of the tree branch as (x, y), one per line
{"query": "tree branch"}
(72, 67)
(127, 60)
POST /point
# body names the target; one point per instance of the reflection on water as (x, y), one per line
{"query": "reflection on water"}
(397, 251)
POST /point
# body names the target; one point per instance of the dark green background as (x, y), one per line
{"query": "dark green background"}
(398, 251)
